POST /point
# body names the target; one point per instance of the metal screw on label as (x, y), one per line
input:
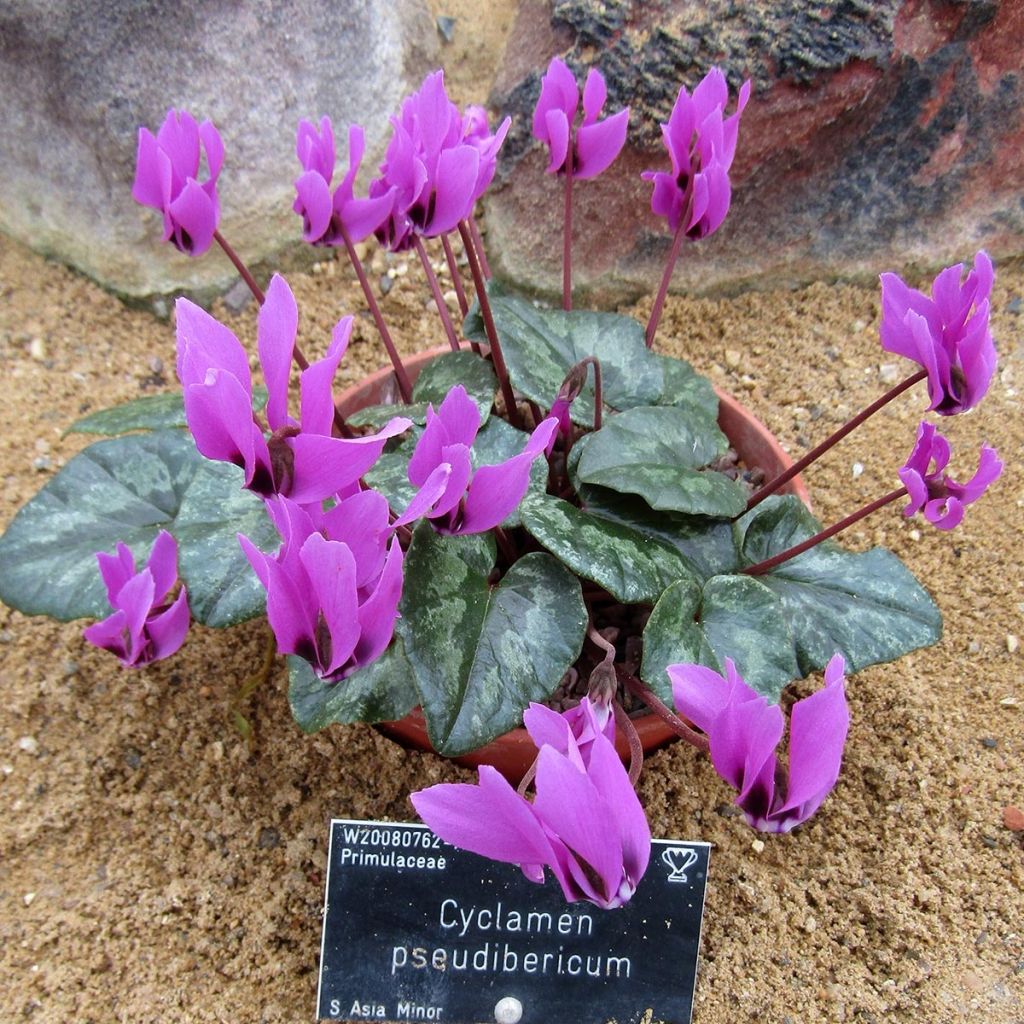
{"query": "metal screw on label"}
(508, 1011)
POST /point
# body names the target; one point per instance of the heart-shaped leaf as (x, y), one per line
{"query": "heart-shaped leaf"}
(482, 653)
(541, 345)
(128, 489)
(151, 412)
(633, 568)
(867, 606)
(730, 617)
(657, 452)
(381, 692)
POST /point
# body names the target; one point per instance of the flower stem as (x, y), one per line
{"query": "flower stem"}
(300, 360)
(567, 231)
(666, 278)
(478, 243)
(240, 267)
(815, 453)
(784, 556)
(636, 749)
(435, 290)
(453, 269)
(672, 720)
(492, 332)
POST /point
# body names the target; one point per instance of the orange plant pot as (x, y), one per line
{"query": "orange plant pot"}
(513, 753)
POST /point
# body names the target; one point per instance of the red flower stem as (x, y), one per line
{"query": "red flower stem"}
(240, 267)
(435, 290)
(404, 387)
(666, 279)
(453, 269)
(478, 243)
(508, 549)
(531, 773)
(815, 453)
(492, 332)
(567, 230)
(636, 749)
(300, 360)
(784, 556)
(672, 720)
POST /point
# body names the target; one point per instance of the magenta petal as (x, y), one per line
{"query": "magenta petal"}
(460, 468)
(489, 819)
(743, 739)
(377, 614)
(457, 421)
(276, 326)
(195, 216)
(571, 807)
(135, 599)
(163, 564)
(204, 344)
(558, 139)
(317, 382)
(595, 92)
(151, 184)
(547, 727)
(332, 573)
(597, 145)
(699, 693)
(990, 468)
(219, 416)
(109, 635)
(325, 465)
(214, 146)
(361, 217)
(291, 608)
(361, 522)
(435, 485)
(454, 191)
(116, 569)
(167, 631)
(817, 735)
(944, 513)
(313, 200)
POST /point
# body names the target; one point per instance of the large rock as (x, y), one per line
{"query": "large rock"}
(881, 133)
(78, 76)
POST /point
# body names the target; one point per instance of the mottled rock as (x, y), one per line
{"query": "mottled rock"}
(880, 134)
(79, 76)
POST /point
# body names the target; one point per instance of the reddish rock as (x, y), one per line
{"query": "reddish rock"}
(1013, 818)
(880, 135)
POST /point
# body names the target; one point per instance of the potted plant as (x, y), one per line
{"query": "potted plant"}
(543, 524)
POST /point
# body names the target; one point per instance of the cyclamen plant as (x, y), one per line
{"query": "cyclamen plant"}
(544, 510)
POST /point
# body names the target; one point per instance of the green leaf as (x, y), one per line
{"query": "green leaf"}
(496, 442)
(686, 389)
(633, 568)
(705, 545)
(867, 606)
(223, 589)
(128, 489)
(730, 617)
(152, 412)
(482, 653)
(656, 452)
(541, 345)
(381, 692)
(473, 372)
(377, 415)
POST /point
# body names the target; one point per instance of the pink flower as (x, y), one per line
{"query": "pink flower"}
(166, 173)
(701, 143)
(472, 502)
(595, 143)
(143, 628)
(743, 730)
(939, 495)
(585, 823)
(946, 334)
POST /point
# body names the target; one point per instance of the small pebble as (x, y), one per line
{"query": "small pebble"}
(269, 838)
(758, 846)
(1013, 818)
(37, 349)
(915, 534)
(974, 647)
(28, 898)
(858, 469)
(1015, 305)
(1012, 643)
(402, 269)
(41, 464)
(237, 297)
(362, 250)
(859, 325)
(1009, 702)
(810, 924)
(29, 744)
(430, 306)
(451, 297)
(156, 364)
(889, 373)
(386, 284)
(990, 841)
(989, 742)
(732, 358)
(446, 26)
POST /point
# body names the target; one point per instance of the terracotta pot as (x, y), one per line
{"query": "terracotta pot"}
(513, 753)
